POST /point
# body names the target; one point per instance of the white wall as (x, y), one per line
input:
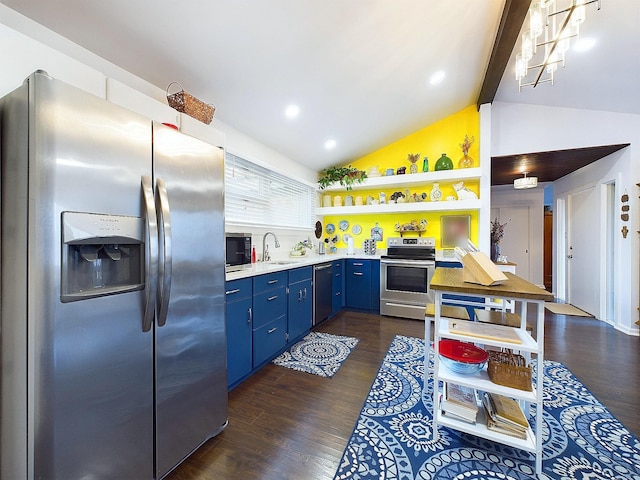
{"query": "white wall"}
(28, 46)
(519, 128)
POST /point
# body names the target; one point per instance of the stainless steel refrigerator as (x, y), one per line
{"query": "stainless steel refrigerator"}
(112, 295)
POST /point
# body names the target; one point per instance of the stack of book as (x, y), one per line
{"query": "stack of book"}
(459, 402)
(504, 415)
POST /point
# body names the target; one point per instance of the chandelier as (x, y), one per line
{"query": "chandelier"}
(552, 25)
(525, 182)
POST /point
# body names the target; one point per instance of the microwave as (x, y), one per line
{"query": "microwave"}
(237, 250)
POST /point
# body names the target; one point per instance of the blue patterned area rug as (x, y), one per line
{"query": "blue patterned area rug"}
(318, 353)
(392, 437)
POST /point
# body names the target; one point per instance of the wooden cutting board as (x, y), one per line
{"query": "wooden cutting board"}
(485, 330)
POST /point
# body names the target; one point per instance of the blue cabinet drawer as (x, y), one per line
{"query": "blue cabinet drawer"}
(238, 289)
(362, 266)
(269, 305)
(300, 274)
(263, 283)
(269, 340)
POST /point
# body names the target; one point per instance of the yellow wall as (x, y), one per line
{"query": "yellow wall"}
(444, 136)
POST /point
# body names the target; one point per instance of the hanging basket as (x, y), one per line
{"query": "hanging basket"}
(187, 103)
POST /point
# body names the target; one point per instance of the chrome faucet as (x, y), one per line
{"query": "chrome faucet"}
(265, 248)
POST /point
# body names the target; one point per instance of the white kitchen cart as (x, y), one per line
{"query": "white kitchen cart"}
(449, 282)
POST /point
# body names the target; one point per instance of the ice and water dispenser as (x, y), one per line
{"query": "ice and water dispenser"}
(101, 255)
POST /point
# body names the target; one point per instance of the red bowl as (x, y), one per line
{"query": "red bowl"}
(462, 352)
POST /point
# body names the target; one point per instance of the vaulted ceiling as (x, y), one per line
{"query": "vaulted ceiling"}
(360, 71)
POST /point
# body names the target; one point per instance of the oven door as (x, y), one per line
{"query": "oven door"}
(404, 287)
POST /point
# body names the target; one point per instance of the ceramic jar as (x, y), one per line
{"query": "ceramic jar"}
(444, 163)
(436, 193)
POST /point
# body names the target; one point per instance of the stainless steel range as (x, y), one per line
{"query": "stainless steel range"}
(405, 274)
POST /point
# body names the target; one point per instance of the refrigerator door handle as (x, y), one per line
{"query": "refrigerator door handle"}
(151, 253)
(166, 257)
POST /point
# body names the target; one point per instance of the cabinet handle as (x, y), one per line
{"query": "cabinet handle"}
(305, 293)
(272, 330)
(250, 316)
(338, 274)
(299, 295)
(338, 294)
(359, 274)
(271, 282)
(272, 298)
(357, 264)
(231, 292)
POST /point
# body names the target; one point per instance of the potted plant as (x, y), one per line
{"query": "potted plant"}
(345, 176)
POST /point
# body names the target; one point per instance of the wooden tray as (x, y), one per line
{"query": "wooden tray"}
(485, 330)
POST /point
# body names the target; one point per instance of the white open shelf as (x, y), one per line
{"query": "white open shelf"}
(410, 179)
(456, 205)
(480, 429)
(528, 343)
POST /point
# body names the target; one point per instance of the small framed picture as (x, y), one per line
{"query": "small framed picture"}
(453, 228)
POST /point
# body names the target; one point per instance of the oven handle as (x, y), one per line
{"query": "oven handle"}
(408, 263)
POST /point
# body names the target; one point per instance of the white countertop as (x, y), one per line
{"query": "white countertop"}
(280, 264)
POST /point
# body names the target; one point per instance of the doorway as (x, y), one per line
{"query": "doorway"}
(582, 240)
(548, 249)
(515, 243)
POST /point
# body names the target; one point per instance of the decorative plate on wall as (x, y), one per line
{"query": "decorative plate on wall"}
(331, 228)
(343, 225)
(356, 229)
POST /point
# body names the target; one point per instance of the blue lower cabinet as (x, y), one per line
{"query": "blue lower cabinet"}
(300, 312)
(362, 284)
(337, 287)
(239, 301)
(269, 339)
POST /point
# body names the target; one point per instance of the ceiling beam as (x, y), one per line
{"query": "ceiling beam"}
(513, 15)
(548, 166)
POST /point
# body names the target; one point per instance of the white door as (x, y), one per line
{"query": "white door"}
(515, 242)
(583, 222)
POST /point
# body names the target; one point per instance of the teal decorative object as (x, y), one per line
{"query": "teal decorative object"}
(444, 163)
(425, 164)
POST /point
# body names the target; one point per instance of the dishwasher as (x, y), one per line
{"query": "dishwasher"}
(322, 291)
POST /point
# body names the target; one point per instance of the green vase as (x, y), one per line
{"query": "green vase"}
(444, 163)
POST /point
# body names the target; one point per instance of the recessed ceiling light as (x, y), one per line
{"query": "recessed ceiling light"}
(292, 111)
(437, 77)
(584, 44)
(330, 144)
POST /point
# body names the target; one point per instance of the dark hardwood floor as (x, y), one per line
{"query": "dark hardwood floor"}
(285, 424)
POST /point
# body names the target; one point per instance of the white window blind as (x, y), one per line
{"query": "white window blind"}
(257, 196)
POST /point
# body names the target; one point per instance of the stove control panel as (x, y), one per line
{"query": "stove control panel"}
(411, 242)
